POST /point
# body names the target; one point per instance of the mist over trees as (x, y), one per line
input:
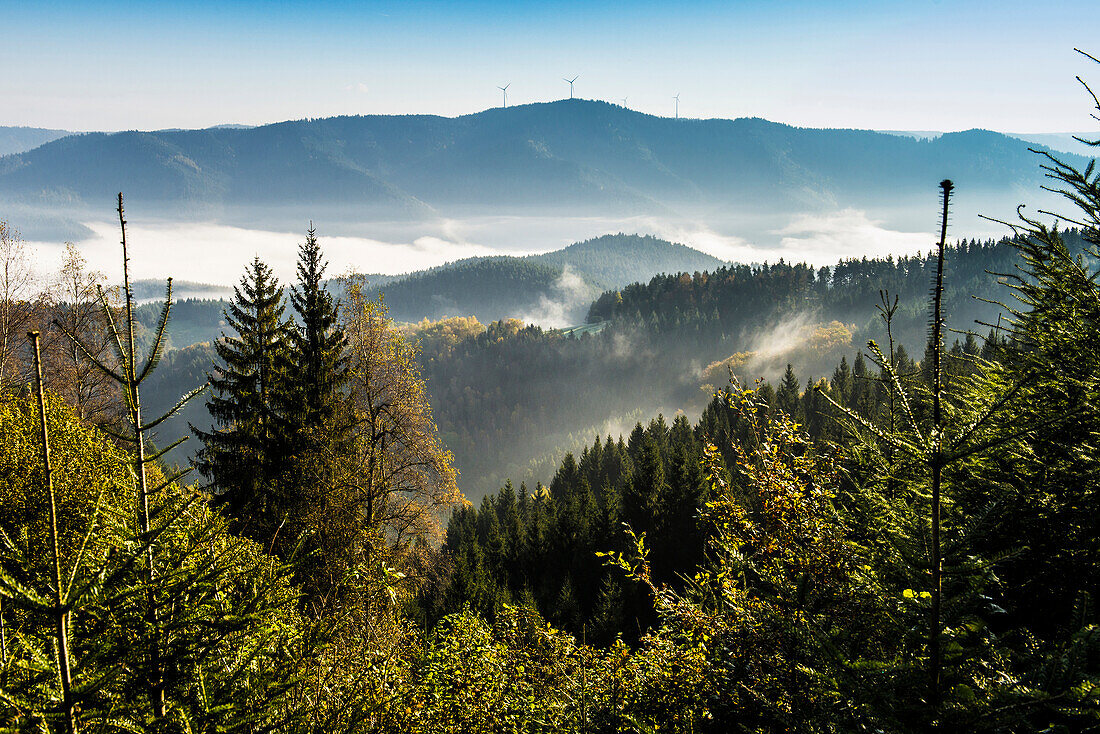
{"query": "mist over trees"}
(510, 398)
(895, 537)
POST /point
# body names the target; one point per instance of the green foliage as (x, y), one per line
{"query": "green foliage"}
(231, 633)
(539, 548)
(517, 675)
(241, 459)
(88, 472)
(784, 604)
(316, 375)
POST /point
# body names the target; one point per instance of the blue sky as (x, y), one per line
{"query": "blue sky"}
(919, 65)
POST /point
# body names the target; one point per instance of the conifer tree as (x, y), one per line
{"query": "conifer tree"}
(643, 496)
(59, 609)
(842, 382)
(318, 371)
(241, 457)
(191, 628)
(787, 396)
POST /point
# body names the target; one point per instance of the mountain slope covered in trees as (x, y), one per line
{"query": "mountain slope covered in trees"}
(554, 288)
(510, 397)
(667, 344)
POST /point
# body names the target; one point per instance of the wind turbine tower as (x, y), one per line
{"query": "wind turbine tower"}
(570, 84)
(624, 103)
(504, 89)
(677, 98)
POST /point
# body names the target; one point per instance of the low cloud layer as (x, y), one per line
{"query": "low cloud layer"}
(217, 253)
(819, 239)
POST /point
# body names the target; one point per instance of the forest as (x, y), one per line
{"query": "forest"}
(510, 399)
(893, 537)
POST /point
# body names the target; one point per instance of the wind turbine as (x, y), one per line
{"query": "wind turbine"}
(570, 84)
(504, 89)
(677, 98)
(624, 102)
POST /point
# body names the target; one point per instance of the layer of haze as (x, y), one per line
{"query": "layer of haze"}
(914, 65)
(188, 251)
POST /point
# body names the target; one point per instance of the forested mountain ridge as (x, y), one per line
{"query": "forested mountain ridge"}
(846, 291)
(553, 288)
(14, 140)
(580, 155)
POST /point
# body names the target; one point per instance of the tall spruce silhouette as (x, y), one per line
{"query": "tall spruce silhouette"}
(935, 456)
(241, 457)
(318, 370)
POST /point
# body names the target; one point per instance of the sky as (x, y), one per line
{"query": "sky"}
(913, 65)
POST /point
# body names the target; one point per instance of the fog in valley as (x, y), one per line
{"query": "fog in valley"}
(216, 253)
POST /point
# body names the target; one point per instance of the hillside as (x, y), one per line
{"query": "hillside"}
(571, 156)
(21, 139)
(551, 289)
(618, 259)
(509, 400)
(489, 288)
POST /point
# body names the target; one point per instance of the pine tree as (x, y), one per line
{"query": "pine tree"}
(842, 382)
(914, 468)
(318, 372)
(643, 496)
(188, 645)
(787, 396)
(241, 459)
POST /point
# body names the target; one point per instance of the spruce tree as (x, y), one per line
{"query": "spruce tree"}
(316, 443)
(318, 373)
(241, 457)
(787, 395)
(195, 628)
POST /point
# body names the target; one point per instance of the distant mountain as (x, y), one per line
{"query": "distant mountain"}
(571, 156)
(22, 139)
(615, 260)
(1067, 142)
(552, 289)
(1061, 142)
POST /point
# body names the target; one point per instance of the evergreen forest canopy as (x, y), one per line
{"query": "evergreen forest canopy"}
(906, 545)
